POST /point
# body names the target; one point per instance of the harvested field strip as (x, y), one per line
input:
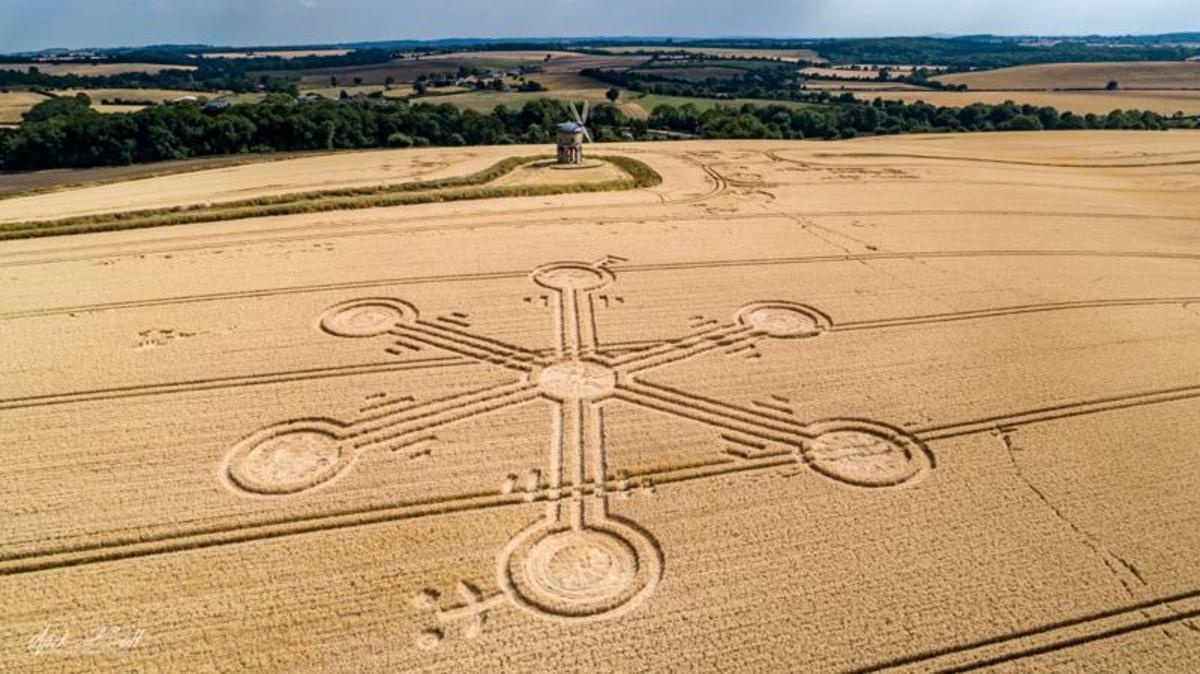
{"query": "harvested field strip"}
(374, 231)
(1013, 162)
(451, 189)
(712, 264)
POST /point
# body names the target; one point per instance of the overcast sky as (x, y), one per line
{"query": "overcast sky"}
(36, 24)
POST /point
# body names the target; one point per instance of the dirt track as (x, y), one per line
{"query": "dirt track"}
(912, 403)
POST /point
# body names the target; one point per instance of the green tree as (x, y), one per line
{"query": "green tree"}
(67, 106)
(1024, 123)
(399, 139)
(612, 94)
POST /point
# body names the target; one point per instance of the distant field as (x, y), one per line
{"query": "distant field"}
(336, 92)
(847, 73)
(1164, 102)
(782, 54)
(651, 101)
(286, 54)
(92, 69)
(576, 88)
(564, 86)
(110, 109)
(486, 101)
(691, 74)
(409, 69)
(861, 85)
(13, 104)
(1144, 75)
(404, 70)
(243, 98)
(150, 95)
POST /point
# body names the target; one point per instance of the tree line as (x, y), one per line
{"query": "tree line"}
(208, 76)
(846, 117)
(258, 73)
(67, 133)
(985, 51)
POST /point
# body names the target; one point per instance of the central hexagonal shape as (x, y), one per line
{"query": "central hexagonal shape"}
(576, 380)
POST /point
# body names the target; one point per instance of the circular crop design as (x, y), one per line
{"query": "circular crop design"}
(782, 320)
(576, 380)
(578, 574)
(580, 567)
(366, 318)
(571, 276)
(287, 460)
(865, 455)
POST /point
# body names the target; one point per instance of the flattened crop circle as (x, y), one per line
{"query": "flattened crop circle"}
(865, 454)
(580, 567)
(572, 276)
(576, 380)
(590, 573)
(366, 317)
(783, 320)
(288, 458)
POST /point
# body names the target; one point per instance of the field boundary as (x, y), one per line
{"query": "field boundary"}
(469, 187)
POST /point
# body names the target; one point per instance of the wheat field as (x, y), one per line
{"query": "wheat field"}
(13, 104)
(1132, 75)
(1164, 102)
(891, 404)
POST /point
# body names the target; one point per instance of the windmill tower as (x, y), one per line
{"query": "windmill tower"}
(571, 136)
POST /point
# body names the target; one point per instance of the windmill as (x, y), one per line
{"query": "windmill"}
(571, 136)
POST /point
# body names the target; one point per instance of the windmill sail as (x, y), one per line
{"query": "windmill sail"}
(581, 119)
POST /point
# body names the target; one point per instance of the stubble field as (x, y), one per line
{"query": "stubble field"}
(904, 404)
